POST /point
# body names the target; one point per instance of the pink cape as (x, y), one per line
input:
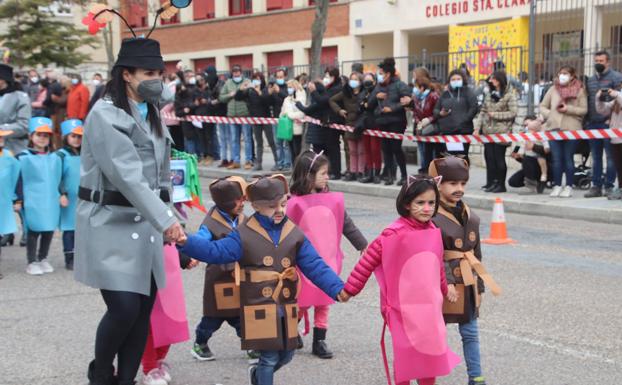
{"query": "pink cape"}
(169, 324)
(320, 217)
(412, 305)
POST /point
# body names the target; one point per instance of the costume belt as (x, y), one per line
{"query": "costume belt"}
(257, 276)
(468, 263)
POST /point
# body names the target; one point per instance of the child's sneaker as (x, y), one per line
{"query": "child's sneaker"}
(202, 352)
(165, 371)
(34, 269)
(45, 266)
(154, 378)
(477, 381)
(252, 379)
(253, 356)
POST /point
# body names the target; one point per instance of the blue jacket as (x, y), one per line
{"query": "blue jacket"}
(227, 250)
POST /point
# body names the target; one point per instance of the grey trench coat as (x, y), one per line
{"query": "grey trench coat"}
(15, 116)
(119, 248)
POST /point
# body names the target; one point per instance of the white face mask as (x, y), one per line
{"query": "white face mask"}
(327, 80)
(34, 79)
(96, 82)
(74, 81)
(564, 79)
(192, 81)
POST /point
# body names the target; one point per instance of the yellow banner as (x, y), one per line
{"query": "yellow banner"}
(480, 46)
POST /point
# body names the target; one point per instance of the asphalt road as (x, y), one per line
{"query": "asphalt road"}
(557, 323)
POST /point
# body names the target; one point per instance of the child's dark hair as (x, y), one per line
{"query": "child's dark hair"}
(303, 177)
(415, 185)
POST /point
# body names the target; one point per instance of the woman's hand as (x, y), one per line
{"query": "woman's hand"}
(17, 207)
(343, 113)
(387, 110)
(175, 233)
(381, 95)
(452, 294)
(64, 202)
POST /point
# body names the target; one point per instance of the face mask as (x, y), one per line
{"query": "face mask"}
(192, 81)
(237, 79)
(368, 84)
(600, 68)
(75, 81)
(354, 84)
(177, 82)
(455, 84)
(280, 81)
(256, 82)
(416, 91)
(380, 78)
(564, 79)
(34, 79)
(151, 90)
(290, 91)
(96, 82)
(327, 80)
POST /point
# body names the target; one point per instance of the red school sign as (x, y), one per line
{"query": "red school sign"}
(453, 8)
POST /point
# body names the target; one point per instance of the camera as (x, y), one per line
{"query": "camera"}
(604, 95)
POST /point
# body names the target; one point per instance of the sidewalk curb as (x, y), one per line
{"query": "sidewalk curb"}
(475, 200)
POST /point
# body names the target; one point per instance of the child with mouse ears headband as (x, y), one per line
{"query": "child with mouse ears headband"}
(407, 259)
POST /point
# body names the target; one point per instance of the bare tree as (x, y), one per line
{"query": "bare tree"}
(317, 36)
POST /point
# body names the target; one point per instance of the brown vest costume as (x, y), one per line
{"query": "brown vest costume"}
(221, 296)
(269, 281)
(460, 241)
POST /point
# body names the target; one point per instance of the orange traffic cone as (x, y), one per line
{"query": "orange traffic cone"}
(498, 228)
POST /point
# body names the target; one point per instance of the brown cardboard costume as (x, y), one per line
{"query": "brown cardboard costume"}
(461, 240)
(269, 282)
(221, 296)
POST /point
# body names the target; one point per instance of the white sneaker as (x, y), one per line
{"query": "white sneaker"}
(556, 191)
(154, 378)
(34, 269)
(165, 371)
(566, 192)
(46, 267)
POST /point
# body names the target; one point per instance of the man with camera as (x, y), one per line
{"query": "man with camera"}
(603, 80)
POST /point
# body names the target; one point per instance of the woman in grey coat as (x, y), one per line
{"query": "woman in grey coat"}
(123, 209)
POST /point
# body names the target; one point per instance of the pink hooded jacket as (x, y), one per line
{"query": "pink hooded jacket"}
(373, 257)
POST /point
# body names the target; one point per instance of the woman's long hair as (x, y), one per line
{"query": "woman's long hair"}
(305, 168)
(116, 89)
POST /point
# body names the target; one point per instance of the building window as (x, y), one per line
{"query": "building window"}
(616, 39)
(280, 59)
(204, 9)
(240, 7)
(137, 13)
(275, 5)
(560, 45)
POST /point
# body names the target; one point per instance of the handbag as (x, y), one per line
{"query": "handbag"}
(430, 130)
(285, 129)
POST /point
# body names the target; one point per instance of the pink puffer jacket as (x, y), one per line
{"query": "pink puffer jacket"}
(373, 257)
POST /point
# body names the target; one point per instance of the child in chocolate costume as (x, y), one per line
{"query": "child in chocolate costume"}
(221, 298)
(268, 248)
(465, 273)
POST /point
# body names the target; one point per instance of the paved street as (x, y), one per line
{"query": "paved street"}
(557, 322)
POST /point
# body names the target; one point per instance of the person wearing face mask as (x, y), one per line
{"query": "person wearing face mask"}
(456, 109)
(497, 117)
(346, 104)
(424, 100)
(366, 120)
(390, 116)
(32, 85)
(604, 78)
(78, 99)
(123, 215)
(296, 94)
(98, 89)
(259, 100)
(15, 111)
(185, 105)
(563, 107)
(237, 108)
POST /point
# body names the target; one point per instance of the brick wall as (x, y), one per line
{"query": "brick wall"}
(249, 30)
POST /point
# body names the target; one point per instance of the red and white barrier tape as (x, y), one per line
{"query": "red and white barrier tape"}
(494, 138)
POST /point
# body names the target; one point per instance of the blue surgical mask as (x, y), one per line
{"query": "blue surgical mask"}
(290, 91)
(280, 81)
(256, 82)
(416, 91)
(75, 81)
(380, 78)
(455, 84)
(237, 79)
(354, 84)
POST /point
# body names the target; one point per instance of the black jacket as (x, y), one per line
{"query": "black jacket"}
(258, 103)
(394, 121)
(462, 103)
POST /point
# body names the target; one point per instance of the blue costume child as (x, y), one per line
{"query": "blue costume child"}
(70, 158)
(267, 249)
(38, 189)
(9, 172)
